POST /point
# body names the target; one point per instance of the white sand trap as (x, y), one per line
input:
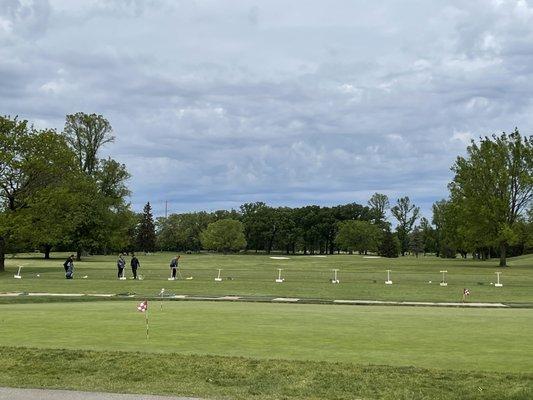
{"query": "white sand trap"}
(280, 258)
(371, 257)
(319, 256)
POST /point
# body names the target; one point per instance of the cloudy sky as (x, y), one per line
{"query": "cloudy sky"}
(215, 103)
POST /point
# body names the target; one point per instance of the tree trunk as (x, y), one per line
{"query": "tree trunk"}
(78, 255)
(2, 253)
(503, 254)
(47, 248)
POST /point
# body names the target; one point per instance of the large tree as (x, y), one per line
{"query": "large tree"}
(99, 227)
(406, 214)
(416, 242)
(146, 237)
(493, 187)
(450, 231)
(86, 134)
(31, 161)
(379, 204)
(224, 235)
(390, 245)
(361, 236)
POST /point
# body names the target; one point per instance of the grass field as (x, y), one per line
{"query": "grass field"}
(449, 338)
(306, 277)
(272, 351)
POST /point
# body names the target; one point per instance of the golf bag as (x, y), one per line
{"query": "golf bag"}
(70, 272)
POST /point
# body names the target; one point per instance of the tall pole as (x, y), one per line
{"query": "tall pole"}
(146, 319)
(166, 209)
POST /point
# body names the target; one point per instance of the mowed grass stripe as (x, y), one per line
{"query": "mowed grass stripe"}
(455, 339)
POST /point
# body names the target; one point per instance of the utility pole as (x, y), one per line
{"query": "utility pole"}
(166, 209)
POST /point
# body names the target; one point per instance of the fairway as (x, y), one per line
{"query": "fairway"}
(305, 277)
(456, 339)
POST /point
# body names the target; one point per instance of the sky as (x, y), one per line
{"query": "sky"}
(290, 102)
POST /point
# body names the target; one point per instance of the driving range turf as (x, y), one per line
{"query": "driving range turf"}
(273, 351)
(305, 277)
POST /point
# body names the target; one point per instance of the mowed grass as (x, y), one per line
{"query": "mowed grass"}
(424, 337)
(306, 277)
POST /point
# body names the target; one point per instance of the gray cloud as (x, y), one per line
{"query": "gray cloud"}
(218, 103)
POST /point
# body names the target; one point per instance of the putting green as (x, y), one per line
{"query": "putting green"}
(449, 338)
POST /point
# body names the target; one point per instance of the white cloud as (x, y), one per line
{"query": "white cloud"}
(215, 103)
(463, 137)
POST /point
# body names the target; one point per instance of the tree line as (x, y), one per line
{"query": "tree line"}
(308, 230)
(56, 192)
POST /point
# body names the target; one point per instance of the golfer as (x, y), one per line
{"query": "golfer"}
(69, 266)
(69, 260)
(174, 265)
(121, 264)
(134, 265)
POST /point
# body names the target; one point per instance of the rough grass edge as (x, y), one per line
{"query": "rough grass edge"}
(219, 377)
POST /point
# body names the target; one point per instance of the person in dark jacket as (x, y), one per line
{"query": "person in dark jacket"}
(121, 264)
(134, 265)
(69, 267)
(174, 265)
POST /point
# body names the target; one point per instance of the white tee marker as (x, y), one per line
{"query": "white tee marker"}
(18, 275)
(443, 282)
(388, 281)
(218, 278)
(498, 284)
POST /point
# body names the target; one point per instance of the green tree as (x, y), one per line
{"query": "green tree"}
(31, 161)
(224, 235)
(406, 214)
(107, 224)
(450, 231)
(181, 232)
(390, 245)
(429, 236)
(379, 204)
(493, 188)
(416, 241)
(361, 236)
(86, 134)
(146, 237)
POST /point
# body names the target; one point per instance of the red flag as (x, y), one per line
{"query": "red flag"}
(143, 306)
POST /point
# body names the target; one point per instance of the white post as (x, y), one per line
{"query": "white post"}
(161, 302)
(443, 282)
(18, 276)
(280, 279)
(218, 278)
(388, 281)
(335, 279)
(498, 284)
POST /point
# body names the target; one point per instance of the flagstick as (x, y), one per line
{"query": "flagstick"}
(146, 319)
